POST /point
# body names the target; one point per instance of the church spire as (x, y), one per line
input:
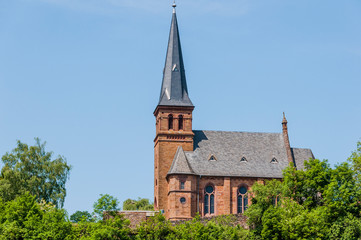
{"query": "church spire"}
(174, 90)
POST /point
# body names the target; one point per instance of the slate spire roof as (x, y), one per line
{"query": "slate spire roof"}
(180, 163)
(174, 90)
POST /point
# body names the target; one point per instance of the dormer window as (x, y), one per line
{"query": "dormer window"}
(212, 158)
(243, 159)
(274, 160)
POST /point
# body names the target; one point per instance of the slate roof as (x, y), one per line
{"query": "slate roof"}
(230, 147)
(300, 155)
(180, 164)
(174, 90)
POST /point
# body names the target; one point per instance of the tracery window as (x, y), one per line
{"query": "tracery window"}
(170, 121)
(242, 199)
(209, 200)
(180, 122)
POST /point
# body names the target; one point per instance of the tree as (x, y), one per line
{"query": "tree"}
(140, 204)
(318, 202)
(79, 216)
(105, 203)
(25, 218)
(264, 197)
(32, 169)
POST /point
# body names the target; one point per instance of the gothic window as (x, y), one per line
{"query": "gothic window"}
(170, 121)
(242, 200)
(274, 160)
(209, 200)
(181, 185)
(180, 122)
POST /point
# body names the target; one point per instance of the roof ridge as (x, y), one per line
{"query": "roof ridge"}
(235, 131)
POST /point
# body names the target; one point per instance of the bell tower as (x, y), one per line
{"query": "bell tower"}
(173, 117)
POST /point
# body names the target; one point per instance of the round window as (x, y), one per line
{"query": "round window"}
(242, 190)
(182, 200)
(209, 189)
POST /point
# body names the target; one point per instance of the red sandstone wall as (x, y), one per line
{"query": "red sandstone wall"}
(166, 144)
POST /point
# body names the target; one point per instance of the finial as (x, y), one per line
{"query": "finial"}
(174, 6)
(284, 118)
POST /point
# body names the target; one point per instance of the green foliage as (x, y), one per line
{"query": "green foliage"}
(24, 218)
(264, 196)
(156, 227)
(140, 204)
(306, 187)
(343, 193)
(80, 216)
(346, 228)
(316, 203)
(195, 229)
(219, 228)
(105, 203)
(116, 227)
(31, 169)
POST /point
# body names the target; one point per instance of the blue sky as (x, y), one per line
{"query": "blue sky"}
(85, 76)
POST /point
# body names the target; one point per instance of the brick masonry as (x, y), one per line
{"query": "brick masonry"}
(137, 217)
(166, 143)
(167, 189)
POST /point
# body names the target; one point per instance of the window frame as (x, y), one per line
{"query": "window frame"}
(242, 199)
(209, 201)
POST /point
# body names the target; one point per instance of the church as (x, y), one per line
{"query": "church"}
(208, 172)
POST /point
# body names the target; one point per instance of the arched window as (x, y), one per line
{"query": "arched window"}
(170, 121)
(242, 200)
(209, 200)
(180, 122)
